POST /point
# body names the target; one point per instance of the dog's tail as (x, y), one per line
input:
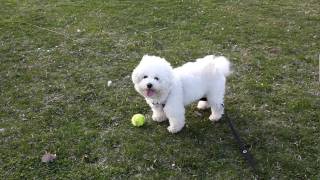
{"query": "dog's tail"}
(218, 64)
(222, 64)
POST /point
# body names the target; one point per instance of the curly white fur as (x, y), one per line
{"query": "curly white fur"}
(160, 84)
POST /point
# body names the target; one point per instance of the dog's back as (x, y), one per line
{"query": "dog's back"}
(199, 77)
(208, 64)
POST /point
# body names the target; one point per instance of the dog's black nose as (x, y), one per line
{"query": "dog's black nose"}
(149, 85)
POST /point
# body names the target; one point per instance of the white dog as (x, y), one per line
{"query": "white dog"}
(168, 90)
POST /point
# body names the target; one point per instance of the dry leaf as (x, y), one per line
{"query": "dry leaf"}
(48, 157)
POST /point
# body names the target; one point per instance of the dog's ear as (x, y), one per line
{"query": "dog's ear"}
(167, 77)
(135, 75)
(145, 58)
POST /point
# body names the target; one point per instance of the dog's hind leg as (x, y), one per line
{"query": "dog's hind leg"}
(203, 105)
(216, 112)
(215, 101)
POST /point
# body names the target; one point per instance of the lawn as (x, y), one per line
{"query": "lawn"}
(57, 57)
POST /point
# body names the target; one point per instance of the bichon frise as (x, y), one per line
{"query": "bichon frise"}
(168, 90)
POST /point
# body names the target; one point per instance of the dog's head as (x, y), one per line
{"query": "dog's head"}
(153, 77)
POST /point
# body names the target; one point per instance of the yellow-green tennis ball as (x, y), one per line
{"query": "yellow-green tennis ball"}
(137, 120)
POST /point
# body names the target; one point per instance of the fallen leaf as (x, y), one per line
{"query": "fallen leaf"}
(48, 157)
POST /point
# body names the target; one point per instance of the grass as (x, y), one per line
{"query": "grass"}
(57, 56)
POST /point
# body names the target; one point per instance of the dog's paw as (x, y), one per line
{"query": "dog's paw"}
(159, 118)
(215, 117)
(174, 129)
(202, 105)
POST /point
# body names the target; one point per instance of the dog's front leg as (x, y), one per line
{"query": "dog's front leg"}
(175, 114)
(157, 113)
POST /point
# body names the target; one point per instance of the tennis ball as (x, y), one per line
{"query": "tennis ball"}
(138, 120)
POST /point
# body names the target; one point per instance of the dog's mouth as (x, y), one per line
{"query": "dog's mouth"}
(150, 92)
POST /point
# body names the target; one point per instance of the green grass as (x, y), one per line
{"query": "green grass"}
(55, 98)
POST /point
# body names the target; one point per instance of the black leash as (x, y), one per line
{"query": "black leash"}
(243, 148)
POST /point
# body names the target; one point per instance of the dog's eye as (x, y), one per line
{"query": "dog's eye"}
(156, 78)
(145, 77)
